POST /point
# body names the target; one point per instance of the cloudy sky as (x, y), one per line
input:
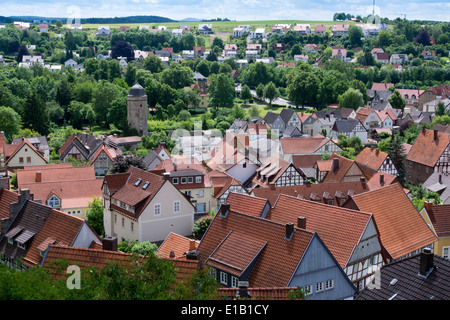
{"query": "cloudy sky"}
(240, 10)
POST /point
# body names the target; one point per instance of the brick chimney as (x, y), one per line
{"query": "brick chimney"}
(426, 262)
(428, 205)
(224, 209)
(192, 245)
(301, 222)
(110, 243)
(435, 136)
(440, 179)
(171, 255)
(38, 176)
(243, 289)
(289, 230)
(381, 178)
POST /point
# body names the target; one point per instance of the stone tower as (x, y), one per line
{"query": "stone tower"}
(137, 110)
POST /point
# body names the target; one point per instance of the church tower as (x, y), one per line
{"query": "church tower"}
(137, 110)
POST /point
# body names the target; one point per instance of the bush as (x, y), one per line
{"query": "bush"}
(201, 225)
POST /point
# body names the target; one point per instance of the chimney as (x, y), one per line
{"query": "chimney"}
(335, 164)
(440, 179)
(192, 245)
(426, 261)
(362, 179)
(243, 289)
(435, 135)
(428, 205)
(192, 255)
(38, 176)
(166, 176)
(224, 209)
(381, 178)
(289, 230)
(109, 243)
(171, 255)
(301, 222)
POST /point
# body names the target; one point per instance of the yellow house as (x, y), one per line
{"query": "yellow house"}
(438, 219)
(22, 155)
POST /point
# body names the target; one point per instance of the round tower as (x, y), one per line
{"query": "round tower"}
(137, 109)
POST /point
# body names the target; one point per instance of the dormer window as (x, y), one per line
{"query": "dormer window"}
(138, 182)
(54, 201)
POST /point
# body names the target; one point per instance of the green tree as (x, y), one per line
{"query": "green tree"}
(271, 92)
(355, 34)
(396, 100)
(246, 94)
(94, 216)
(222, 90)
(260, 91)
(302, 87)
(203, 68)
(440, 110)
(153, 64)
(352, 98)
(103, 95)
(397, 154)
(10, 122)
(35, 114)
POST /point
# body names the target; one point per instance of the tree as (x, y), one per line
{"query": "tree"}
(35, 115)
(396, 100)
(222, 90)
(254, 112)
(271, 92)
(355, 34)
(203, 68)
(121, 163)
(103, 95)
(122, 49)
(397, 154)
(94, 216)
(352, 98)
(359, 85)
(10, 122)
(260, 91)
(64, 93)
(423, 38)
(440, 110)
(302, 87)
(153, 64)
(246, 94)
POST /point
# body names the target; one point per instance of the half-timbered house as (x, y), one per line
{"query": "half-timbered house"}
(376, 159)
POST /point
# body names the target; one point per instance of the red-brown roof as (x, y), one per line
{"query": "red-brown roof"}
(376, 182)
(344, 165)
(381, 86)
(306, 160)
(279, 259)
(340, 229)
(302, 145)
(253, 206)
(440, 219)
(371, 157)
(6, 198)
(177, 244)
(260, 293)
(54, 174)
(426, 149)
(18, 147)
(402, 229)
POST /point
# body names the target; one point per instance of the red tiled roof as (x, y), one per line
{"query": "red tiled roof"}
(371, 157)
(402, 229)
(178, 244)
(270, 171)
(6, 198)
(54, 174)
(381, 86)
(302, 145)
(279, 259)
(260, 293)
(246, 204)
(18, 147)
(375, 182)
(340, 229)
(111, 153)
(427, 150)
(305, 161)
(342, 189)
(440, 219)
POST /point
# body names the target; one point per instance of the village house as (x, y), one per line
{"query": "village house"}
(434, 93)
(190, 177)
(351, 235)
(43, 27)
(419, 277)
(143, 206)
(305, 163)
(259, 33)
(205, 28)
(103, 31)
(349, 128)
(176, 246)
(339, 30)
(20, 154)
(340, 169)
(240, 31)
(391, 208)
(301, 57)
(40, 143)
(302, 29)
(289, 252)
(338, 52)
(378, 160)
(399, 58)
(311, 48)
(369, 118)
(30, 227)
(223, 185)
(429, 153)
(439, 183)
(429, 54)
(307, 145)
(437, 217)
(320, 30)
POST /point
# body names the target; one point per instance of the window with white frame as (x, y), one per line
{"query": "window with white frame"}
(329, 284)
(157, 209)
(190, 179)
(176, 206)
(308, 289)
(446, 252)
(200, 193)
(319, 286)
(234, 281)
(213, 272)
(10, 240)
(198, 179)
(175, 180)
(20, 245)
(183, 180)
(54, 201)
(223, 278)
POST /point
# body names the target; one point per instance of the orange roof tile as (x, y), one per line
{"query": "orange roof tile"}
(402, 229)
(6, 198)
(371, 157)
(440, 219)
(178, 244)
(426, 149)
(279, 293)
(55, 174)
(279, 259)
(253, 206)
(302, 145)
(19, 146)
(339, 228)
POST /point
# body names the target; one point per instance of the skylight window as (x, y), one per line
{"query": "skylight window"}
(138, 182)
(145, 185)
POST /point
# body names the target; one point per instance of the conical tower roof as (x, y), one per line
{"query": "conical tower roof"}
(137, 91)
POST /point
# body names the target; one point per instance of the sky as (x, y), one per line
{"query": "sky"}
(239, 10)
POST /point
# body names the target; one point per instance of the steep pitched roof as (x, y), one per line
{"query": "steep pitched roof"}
(410, 284)
(340, 190)
(337, 174)
(371, 157)
(440, 219)
(272, 169)
(302, 145)
(6, 198)
(426, 149)
(177, 244)
(345, 125)
(402, 229)
(54, 174)
(381, 179)
(305, 160)
(340, 228)
(253, 206)
(276, 256)
(14, 149)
